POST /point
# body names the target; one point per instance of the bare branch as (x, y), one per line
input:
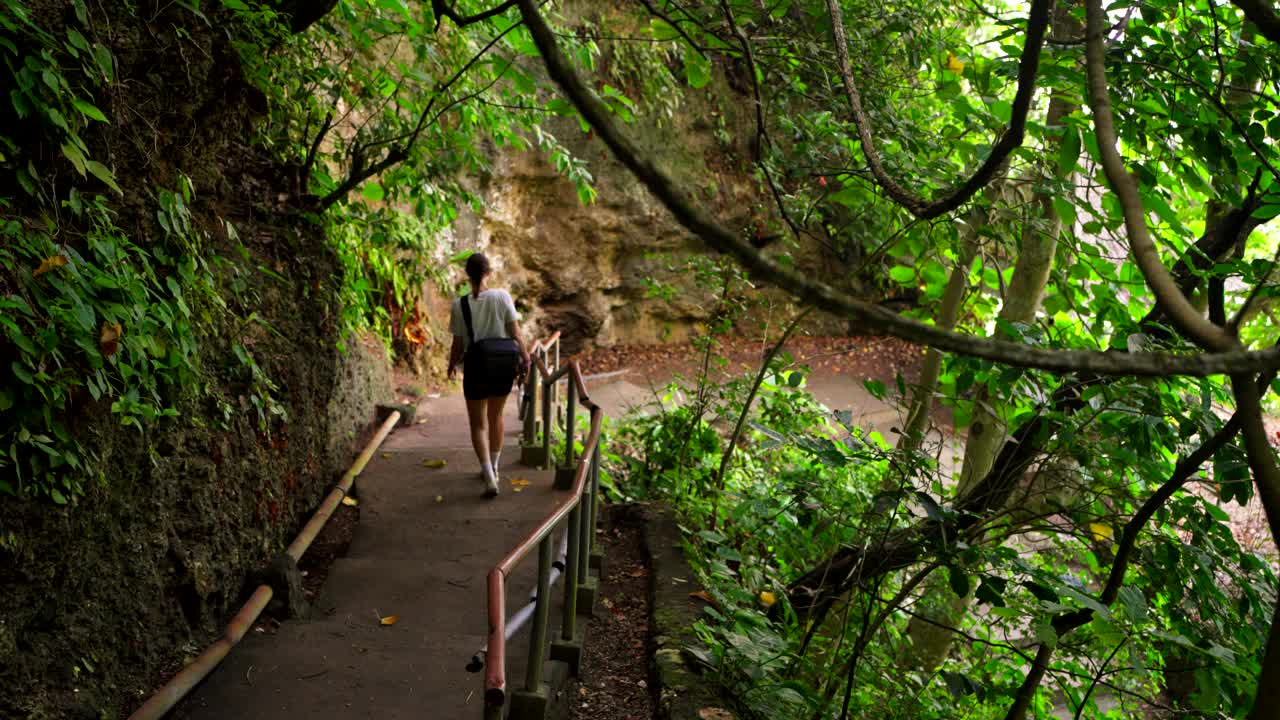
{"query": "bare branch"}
(653, 10)
(315, 148)
(359, 173)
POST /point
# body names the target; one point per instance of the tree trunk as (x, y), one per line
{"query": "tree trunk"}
(939, 607)
(948, 315)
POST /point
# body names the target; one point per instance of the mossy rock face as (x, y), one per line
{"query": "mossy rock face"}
(101, 598)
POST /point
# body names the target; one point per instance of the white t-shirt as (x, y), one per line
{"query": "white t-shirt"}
(491, 310)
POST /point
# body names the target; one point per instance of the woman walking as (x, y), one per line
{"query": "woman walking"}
(487, 343)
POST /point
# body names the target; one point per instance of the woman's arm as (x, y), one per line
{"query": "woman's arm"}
(514, 331)
(455, 355)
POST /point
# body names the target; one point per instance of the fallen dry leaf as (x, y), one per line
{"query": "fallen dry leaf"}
(715, 713)
(348, 500)
(386, 455)
(702, 595)
(434, 464)
(110, 338)
(520, 481)
(53, 262)
(389, 620)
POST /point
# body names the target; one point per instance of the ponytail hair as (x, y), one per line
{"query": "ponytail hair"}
(477, 267)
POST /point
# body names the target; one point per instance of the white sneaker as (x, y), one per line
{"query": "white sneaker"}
(491, 486)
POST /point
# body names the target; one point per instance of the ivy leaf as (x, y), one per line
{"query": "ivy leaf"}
(49, 264)
(103, 57)
(109, 339)
(1069, 150)
(903, 275)
(101, 172)
(697, 69)
(1134, 604)
(1041, 592)
(76, 157)
(1066, 211)
(88, 110)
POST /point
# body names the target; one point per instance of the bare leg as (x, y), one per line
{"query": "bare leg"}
(497, 425)
(479, 430)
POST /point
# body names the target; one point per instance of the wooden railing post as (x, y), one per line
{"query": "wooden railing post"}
(588, 586)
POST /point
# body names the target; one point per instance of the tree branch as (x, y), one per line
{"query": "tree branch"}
(1145, 253)
(310, 162)
(1266, 477)
(1261, 14)
(396, 155)
(674, 25)
(442, 9)
(1028, 69)
(823, 296)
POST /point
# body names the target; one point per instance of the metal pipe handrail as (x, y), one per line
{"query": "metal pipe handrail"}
(163, 700)
(576, 377)
(495, 671)
(545, 343)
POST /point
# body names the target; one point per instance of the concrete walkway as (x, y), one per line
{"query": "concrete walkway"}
(424, 545)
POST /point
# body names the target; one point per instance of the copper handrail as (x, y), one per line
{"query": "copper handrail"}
(163, 700)
(495, 672)
(545, 343)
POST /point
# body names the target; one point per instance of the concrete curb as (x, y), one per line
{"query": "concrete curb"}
(680, 691)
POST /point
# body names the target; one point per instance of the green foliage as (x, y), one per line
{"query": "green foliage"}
(805, 483)
(99, 320)
(54, 77)
(386, 257)
(93, 319)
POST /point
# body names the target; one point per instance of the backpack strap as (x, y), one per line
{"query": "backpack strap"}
(466, 317)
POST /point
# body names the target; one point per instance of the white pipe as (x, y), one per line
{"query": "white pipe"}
(523, 614)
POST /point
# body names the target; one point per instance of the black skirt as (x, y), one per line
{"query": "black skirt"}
(489, 368)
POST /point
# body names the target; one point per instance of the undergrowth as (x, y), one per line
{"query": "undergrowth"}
(804, 481)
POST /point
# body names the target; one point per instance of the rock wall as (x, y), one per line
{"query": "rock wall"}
(100, 599)
(588, 270)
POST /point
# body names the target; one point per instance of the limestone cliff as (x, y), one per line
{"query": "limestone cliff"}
(587, 270)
